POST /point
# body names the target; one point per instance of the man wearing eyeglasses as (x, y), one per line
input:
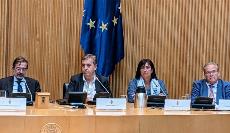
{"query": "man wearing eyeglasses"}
(212, 86)
(18, 83)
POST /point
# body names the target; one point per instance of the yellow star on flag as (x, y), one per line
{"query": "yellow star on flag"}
(114, 20)
(91, 24)
(103, 26)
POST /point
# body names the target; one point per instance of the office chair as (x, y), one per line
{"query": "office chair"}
(65, 90)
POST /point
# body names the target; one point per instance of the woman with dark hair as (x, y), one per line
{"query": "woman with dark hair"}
(146, 76)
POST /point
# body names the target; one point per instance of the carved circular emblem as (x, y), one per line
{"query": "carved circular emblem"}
(51, 128)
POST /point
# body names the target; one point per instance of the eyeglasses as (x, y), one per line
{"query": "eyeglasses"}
(146, 67)
(21, 69)
(211, 72)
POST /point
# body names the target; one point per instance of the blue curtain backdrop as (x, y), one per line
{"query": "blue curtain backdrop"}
(102, 33)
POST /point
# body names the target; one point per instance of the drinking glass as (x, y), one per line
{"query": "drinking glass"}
(2, 93)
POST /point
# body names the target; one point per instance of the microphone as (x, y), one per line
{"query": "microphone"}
(102, 85)
(31, 96)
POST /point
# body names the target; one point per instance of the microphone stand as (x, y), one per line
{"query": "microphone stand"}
(102, 85)
(30, 103)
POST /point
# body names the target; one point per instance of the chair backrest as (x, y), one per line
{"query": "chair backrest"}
(65, 90)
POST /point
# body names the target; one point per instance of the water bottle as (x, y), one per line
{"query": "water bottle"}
(140, 100)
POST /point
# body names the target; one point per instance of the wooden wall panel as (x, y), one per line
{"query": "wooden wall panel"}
(47, 33)
(3, 33)
(180, 36)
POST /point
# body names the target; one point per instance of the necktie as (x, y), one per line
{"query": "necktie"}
(19, 85)
(211, 93)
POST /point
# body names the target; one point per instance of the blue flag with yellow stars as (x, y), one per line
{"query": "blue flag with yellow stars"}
(102, 33)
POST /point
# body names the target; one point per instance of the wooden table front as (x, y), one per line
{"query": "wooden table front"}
(64, 119)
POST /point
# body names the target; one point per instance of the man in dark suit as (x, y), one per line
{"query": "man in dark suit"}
(212, 86)
(18, 83)
(88, 81)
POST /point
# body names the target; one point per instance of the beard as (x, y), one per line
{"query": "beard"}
(20, 76)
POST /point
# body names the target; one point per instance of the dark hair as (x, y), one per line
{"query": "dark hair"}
(143, 62)
(88, 56)
(19, 60)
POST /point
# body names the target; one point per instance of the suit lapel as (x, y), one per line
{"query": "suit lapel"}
(219, 90)
(81, 84)
(10, 84)
(205, 89)
(97, 86)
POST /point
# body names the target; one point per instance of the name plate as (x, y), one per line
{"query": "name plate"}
(111, 103)
(177, 104)
(8, 104)
(224, 104)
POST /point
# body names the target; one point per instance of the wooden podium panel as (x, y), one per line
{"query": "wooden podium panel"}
(9, 124)
(200, 123)
(82, 124)
(130, 124)
(116, 124)
(63, 119)
(166, 124)
(37, 123)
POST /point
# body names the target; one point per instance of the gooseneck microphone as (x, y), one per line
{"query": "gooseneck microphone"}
(102, 85)
(31, 96)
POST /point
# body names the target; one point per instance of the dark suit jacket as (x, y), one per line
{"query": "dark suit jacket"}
(7, 84)
(76, 84)
(200, 88)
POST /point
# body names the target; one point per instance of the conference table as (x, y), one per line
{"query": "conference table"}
(66, 119)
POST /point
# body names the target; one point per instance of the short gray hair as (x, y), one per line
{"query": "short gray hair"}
(90, 56)
(211, 63)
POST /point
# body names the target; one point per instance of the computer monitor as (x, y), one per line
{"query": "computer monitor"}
(29, 102)
(77, 98)
(203, 100)
(203, 103)
(156, 101)
(21, 95)
(99, 95)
